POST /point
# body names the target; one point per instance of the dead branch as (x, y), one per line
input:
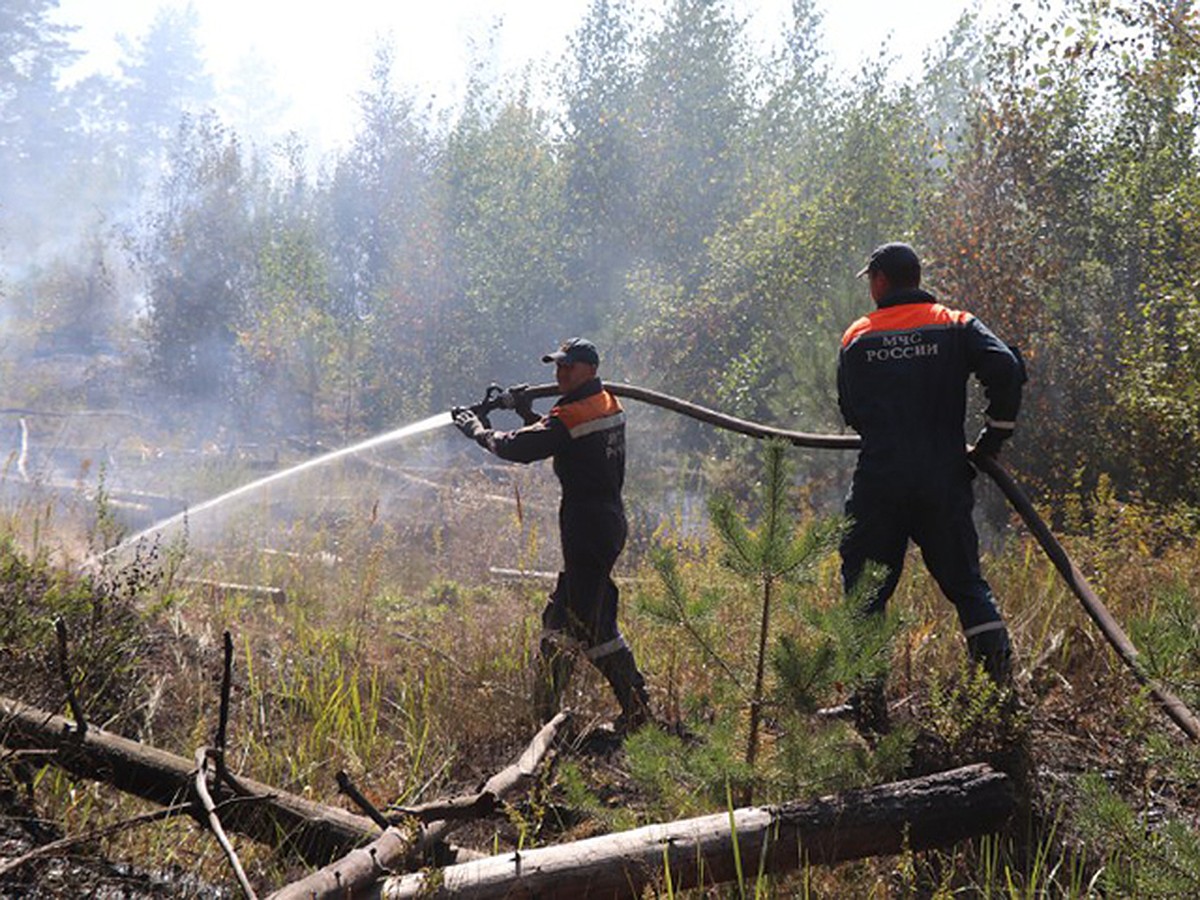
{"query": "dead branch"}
(363, 867)
(471, 807)
(214, 822)
(223, 775)
(347, 787)
(936, 810)
(504, 783)
(64, 672)
(315, 832)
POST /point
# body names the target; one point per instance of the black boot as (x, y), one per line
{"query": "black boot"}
(993, 651)
(869, 708)
(629, 686)
(555, 664)
(866, 707)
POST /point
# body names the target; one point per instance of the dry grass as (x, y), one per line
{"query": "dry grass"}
(399, 658)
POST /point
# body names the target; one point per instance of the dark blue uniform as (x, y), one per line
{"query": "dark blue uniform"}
(902, 377)
(585, 435)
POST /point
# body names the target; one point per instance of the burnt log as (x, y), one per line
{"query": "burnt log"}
(315, 832)
(918, 814)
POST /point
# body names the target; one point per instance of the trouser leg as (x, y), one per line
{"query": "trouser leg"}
(877, 534)
(592, 539)
(607, 649)
(950, 547)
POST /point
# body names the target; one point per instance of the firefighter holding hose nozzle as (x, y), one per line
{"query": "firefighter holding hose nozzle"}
(902, 378)
(584, 434)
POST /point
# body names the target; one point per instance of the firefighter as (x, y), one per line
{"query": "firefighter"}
(902, 385)
(584, 433)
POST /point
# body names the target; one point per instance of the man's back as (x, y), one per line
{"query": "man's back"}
(902, 375)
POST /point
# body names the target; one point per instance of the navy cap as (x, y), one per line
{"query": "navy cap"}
(573, 351)
(898, 261)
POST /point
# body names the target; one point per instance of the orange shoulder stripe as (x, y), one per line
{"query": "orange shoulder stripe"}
(597, 406)
(905, 317)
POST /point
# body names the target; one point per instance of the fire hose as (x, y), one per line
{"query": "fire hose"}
(1174, 708)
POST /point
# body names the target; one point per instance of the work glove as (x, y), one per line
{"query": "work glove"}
(989, 442)
(466, 421)
(517, 399)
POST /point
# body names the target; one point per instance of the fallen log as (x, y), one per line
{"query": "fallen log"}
(392, 850)
(315, 832)
(222, 590)
(933, 811)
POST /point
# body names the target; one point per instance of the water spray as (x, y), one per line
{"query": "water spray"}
(380, 440)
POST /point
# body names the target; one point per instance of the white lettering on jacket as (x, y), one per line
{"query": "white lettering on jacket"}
(901, 346)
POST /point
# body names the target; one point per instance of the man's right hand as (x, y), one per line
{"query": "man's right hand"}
(468, 423)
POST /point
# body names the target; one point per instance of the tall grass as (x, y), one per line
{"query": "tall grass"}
(399, 658)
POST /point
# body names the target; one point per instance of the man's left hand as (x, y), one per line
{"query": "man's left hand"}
(989, 442)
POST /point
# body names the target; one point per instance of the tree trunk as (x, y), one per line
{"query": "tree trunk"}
(317, 833)
(936, 810)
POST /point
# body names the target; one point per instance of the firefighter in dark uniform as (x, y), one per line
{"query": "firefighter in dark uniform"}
(902, 385)
(584, 433)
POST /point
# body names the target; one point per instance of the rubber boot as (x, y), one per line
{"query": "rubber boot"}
(554, 667)
(866, 708)
(869, 708)
(993, 651)
(629, 686)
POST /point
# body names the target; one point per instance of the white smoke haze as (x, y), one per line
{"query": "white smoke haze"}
(235, 237)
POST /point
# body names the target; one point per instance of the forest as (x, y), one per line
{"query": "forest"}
(683, 202)
(698, 206)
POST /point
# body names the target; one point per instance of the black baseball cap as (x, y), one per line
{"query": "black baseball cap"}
(898, 261)
(573, 351)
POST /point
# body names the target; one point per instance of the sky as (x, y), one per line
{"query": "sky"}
(318, 53)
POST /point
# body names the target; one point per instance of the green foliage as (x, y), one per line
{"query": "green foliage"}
(600, 181)
(164, 80)
(106, 638)
(776, 550)
(39, 131)
(690, 93)
(770, 558)
(386, 259)
(972, 718)
(837, 649)
(198, 258)
(694, 612)
(688, 778)
(504, 192)
(1140, 859)
(579, 796)
(1168, 641)
(813, 759)
(817, 654)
